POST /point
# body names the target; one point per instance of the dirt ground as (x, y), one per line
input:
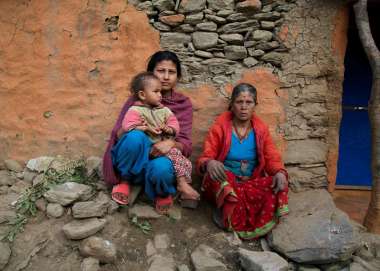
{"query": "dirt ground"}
(43, 246)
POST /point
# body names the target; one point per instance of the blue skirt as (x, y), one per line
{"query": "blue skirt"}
(130, 158)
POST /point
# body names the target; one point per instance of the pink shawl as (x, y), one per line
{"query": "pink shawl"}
(182, 108)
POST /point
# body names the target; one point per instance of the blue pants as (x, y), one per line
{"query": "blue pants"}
(130, 157)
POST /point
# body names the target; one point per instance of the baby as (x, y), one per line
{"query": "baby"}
(158, 122)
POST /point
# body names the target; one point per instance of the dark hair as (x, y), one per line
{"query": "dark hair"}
(139, 81)
(159, 56)
(242, 87)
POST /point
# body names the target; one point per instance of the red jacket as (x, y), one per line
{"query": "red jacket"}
(218, 143)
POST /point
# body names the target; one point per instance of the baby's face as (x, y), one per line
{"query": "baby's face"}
(152, 92)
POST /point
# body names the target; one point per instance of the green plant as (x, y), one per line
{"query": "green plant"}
(144, 226)
(66, 171)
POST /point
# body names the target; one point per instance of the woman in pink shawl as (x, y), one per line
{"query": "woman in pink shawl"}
(132, 158)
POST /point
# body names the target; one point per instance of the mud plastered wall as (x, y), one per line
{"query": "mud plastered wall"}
(67, 67)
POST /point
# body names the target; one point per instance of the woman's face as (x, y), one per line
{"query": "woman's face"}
(243, 106)
(166, 71)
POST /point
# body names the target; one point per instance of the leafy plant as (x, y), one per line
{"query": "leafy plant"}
(66, 171)
(144, 226)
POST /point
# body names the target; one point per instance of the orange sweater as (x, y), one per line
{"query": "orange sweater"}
(218, 143)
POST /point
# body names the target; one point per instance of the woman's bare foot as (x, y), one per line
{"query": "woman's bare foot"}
(186, 190)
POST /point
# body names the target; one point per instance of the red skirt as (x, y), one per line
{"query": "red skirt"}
(249, 207)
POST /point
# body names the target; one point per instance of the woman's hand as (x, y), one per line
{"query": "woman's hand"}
(216, 171)
(161, 148)
(279, 182)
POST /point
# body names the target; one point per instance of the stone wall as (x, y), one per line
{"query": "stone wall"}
(65, 68)
(302, 43)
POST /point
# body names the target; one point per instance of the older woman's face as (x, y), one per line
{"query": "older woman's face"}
(166, 71)
(243, 106)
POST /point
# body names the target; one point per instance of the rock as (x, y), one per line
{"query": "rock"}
(163, 5)
(315, 231)
(98, 248)
(38, 179)
(357, 267)
(267, 25)
(310, 151)
(239, 27)
(204, 40)
(220, 4)
(238, 17)
(219, 54)
(206, 26)
(172, 20)
(161, 27)
(194, 18)
(54, 210)
(250, 62)
(268, 16)
(273, 58)
(249, 6)
(5, 254)
(205, 258)
(13, 165)
(29, 176)
(170, 39)
(150, 249)
(90, 264)
(215, 19)
(67, 193)
(183, 267)
(161, 241)
(267, 46)
(143, 211)
(203, 54)
(40, 164)
(80, 229)
(41, 204)
(96, 208)
(6, 178)
(147, 5)
(19, 187)
(255, 53)
(188, 6)
(112, 207)
(232, 38)
(187, 28)
(261, 261)
(225, 12)
(307, 268)
(233, 239)
(6, 216)
(162, 263)
(262, 35)
(93, 165)
(4, 190)
(234, 52)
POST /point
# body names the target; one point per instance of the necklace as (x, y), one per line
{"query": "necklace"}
(241, 136)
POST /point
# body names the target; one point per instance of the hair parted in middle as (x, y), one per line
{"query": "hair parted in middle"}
(242, 87)
(140, 80)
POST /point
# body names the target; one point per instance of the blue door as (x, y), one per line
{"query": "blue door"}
(354, 164)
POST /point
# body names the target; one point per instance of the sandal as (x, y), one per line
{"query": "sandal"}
(120, 193)
(164, 204)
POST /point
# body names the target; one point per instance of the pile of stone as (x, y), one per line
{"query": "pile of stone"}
(314, 236)
(217, 39)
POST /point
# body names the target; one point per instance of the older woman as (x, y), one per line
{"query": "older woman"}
(244, 175)
(130, 158)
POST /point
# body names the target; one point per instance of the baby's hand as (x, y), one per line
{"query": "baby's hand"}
(167, 130)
